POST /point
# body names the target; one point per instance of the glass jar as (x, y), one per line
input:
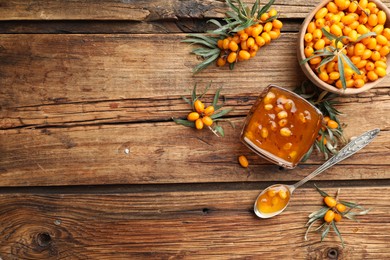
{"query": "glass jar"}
(281, 126)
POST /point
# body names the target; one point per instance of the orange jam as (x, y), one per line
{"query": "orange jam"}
(273, 199)
(281, 126)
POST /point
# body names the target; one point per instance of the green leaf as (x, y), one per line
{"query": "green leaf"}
(255, 7)
(350, 63)
(369, 34)
(183, 122)
(187, 100)
(339, 39)
(316, 55)
(221, 113)
(215, 22)
(199, 41)
(325, 232)
(307, 155)
(351, 204)
(341, 71)
(216, 97)
(193, 95)
(328, 35)
(323, 193)
(271, 18)
(231, 65)
(320, 213)
(219, 130)
(325, 61)
(308, 229)
(265, 8)
(242, 8)
(337, 232)
(205, 52)
(232, 6)
(205, 63)
(205, 91)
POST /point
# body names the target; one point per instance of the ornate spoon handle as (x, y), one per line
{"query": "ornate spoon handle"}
(351, 148)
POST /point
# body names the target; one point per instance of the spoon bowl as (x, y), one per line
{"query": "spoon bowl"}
(266, 198)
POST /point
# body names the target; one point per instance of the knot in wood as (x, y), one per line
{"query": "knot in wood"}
(43, 239)
(333, 253)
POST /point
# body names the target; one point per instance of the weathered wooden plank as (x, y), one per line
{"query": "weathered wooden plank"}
(50, 69)
(191, 225)
(157, 153)
(136, 10)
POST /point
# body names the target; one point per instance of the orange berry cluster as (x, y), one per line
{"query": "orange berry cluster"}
(201, 115)
(244, 44)
(352, 19)
(334, 213)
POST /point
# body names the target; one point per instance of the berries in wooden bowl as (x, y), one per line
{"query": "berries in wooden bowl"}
(343, 45)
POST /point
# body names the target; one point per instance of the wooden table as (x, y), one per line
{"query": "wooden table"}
(93, 167)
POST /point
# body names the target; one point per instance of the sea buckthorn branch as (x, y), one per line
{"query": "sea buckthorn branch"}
(331, 213)
(202, 116)
(244, 32)
(330, 138)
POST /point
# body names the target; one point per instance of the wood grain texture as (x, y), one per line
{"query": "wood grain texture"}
(145, 10)
(191, 225)
(52, 69)
(157, 153)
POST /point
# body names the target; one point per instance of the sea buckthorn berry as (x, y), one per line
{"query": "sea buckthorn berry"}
(199, 124)
(352, 7)
(233, 46)
(370, 66)
(282, 114)
(317, 34)
(375, 56)
(260, 41)
(282, 194)
(363, 3)
(244, 36)
(372, 76)
(236, 39)
(378, 29)
(337, 217)
(207, 121)
(274, 34)
(380, 63)
(199, 106)
(283, 122)
(372, 44)
(340, 207)
(308, 37)
(358, 83)
(362, 29)
(330, 201)
(286, 132)
(209, 111)
(324, 76)
(332, 124)
(366, 54)
(243, 161)
(264, 132)
(320, 44)
(243, 54)
(256, 31)
(381, 72)
(320, 23)
(221, 62)
(332, 7)
(386, 33)
(372, 20)
(348, 72)
(336, 30)
(225, 44)
(220, 44)
(382, 40)
(248, 30)
(355, 59)
(315, 60)
(384, 51)
(292, 154)
(334, 75)
(250, 41)
(321, 13)
(361, 64)
(268, 106)
(319, 138)
(266, 37)
(243, 45)
(268, 27)
(271, 193)
(277, 24)
(232, 57)
(353, 35)
(269, 97)
(287, 146)
(347, 19)
(264, 17)
(272, 12)
(340, 4)
(381, 17)
(193, 116)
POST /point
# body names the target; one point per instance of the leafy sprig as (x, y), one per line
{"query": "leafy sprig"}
(216, 116)
(352, 211)
(335, 53)
(332, 138)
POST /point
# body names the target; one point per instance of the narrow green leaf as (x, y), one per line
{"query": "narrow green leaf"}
(308, 229)
(199, 41)
(231, 65)
(325, 232)
(216, 97)
(320, 213)
(324, 62)
(205, 91)
(328, 35)
(205, 63)
(187, 100)
(307, 155)
(221, 113)
(219, 130)
(351, 204)
(337, 232)
(341, 71)
(255, 7)
(314, 56)
(215, 22)
(323, 193)
(243, 8)
(339, 39)
(232, 6)
(265, 8)
(319, 228)
(205, 52)
(183, 122)
(271, 18)
(350, 63)
(207, 38)
(369, 34)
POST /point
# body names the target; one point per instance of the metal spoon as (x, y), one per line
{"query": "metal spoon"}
(351, 148)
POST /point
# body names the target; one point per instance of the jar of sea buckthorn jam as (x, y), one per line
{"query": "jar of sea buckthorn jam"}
(281, 126)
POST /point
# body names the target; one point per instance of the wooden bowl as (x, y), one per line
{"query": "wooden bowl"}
(309, 72)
